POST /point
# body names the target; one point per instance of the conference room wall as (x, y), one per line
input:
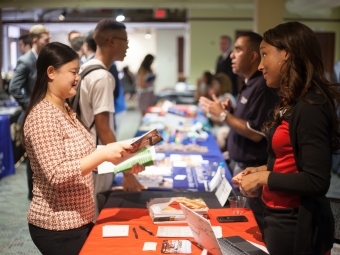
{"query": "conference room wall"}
(204, 43)
(166, 61)
(162, 44)
(206, 26)
(330, 26)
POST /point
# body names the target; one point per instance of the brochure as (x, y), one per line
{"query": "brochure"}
(176, 246)
(143, 152)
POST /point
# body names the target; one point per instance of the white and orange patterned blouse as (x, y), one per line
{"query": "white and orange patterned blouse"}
(62, 198)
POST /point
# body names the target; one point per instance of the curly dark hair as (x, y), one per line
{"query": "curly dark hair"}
(303, 71)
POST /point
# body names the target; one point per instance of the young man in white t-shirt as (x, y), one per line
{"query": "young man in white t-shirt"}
(96, 96)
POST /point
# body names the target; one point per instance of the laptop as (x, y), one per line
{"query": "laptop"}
(204, 236)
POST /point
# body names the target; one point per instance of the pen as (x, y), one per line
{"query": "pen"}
(135, 231)
(143, 228)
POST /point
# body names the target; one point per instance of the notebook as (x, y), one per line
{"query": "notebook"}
(204, 236)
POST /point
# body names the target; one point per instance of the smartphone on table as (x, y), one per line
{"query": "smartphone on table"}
(226, 219)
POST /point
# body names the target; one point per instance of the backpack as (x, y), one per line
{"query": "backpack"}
(74, 101)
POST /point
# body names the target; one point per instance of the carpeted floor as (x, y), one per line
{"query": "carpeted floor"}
(14, 235)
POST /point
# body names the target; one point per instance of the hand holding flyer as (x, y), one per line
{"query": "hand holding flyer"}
(143, 152)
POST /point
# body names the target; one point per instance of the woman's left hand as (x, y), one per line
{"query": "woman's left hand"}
(137, 168)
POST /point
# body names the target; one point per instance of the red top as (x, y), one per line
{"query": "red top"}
(284, 163)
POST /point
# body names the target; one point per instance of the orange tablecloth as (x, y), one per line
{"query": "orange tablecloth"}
(96, 244)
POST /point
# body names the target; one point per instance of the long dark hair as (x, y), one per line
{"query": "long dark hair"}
(128, 74)
(303, 71)
(53, 54)
(146, 63)
(209, 77)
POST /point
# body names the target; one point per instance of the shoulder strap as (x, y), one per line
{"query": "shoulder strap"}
(89, 69)
(74, 101)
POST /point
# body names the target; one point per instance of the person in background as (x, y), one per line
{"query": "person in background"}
(23, 80)
(128, 83)
(89, 46)
(223, 63)
(119, 100)
(302, 136)
(203, 84)
(77, 46)
(63, 156)
(97, 96)
(221, 87)
(25, 43)
(72, 35)
(246, 143)
(336, 156)
(145, 84)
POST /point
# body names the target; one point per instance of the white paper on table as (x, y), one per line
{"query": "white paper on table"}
(180, 177)
(149, 246)
(259, 246)
(204, 252)
(115, 230)
(223, 191)
(216, 179)
(182, 231)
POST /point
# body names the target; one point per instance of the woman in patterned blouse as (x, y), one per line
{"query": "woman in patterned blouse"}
(63, 155)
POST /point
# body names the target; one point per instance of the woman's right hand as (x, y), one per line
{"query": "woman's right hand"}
(237, 179)
(115, 151)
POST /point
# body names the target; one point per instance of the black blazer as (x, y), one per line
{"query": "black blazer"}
(224, 66)
(310, 126)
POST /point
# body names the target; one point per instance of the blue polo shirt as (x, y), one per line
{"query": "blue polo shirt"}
(255, 105)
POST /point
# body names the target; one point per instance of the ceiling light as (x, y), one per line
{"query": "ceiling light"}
(120, 18)
(62, 15)
(147, 35)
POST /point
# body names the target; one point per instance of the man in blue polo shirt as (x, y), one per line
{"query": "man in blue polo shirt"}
(247, 145)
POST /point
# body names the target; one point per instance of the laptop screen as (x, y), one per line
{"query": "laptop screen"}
(202, 231)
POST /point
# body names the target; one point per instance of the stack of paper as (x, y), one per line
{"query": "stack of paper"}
(167, 210)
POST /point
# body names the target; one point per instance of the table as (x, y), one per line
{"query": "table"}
(13, 112)
(96, 244)
(126, 199)
(196, 177)
(6, 150)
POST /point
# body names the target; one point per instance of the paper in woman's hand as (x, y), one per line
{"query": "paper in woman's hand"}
(143, 153)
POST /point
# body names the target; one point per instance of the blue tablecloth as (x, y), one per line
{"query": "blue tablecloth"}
(196, 178)
(6, 150)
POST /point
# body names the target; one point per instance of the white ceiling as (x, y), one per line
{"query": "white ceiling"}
(23, 10)
(146, 4)
(85, 27)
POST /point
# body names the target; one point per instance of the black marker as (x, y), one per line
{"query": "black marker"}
(143, 228)
(135, 231)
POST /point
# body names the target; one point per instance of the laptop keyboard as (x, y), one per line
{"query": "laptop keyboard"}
(229, 248)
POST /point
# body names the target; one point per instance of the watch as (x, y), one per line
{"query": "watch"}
(223, 115)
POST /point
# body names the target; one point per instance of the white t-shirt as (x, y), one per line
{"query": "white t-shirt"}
(96, 95)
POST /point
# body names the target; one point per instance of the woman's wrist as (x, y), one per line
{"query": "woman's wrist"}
(264, 177)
